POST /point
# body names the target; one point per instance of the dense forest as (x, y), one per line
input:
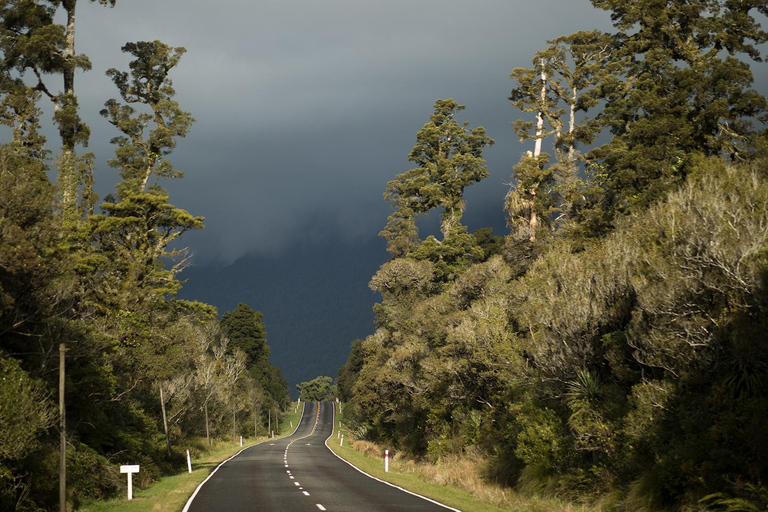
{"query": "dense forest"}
(90, 285)
(612, 347)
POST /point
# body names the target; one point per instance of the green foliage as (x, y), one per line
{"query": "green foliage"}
(633, 365)
(247, 333)
(319, 389)
(26, 411)
(144, 372)
(141, 156)
(350, 371)
(449, 157)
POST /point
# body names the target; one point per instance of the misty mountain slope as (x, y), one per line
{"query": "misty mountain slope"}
(315, 299)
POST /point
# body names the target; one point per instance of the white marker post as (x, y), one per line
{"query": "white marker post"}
(241, 441)
(386, 461)
(342, 440)
(189, 462)
(130, 469)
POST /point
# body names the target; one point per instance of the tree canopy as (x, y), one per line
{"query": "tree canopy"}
(610, 351)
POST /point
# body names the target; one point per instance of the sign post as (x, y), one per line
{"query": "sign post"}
(130, 469)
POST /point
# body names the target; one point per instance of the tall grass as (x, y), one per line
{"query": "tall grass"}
(455, 481)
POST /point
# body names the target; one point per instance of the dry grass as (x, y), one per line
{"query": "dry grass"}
(368, 449)
(465, 473)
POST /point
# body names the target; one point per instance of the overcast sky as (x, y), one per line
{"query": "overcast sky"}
(306, 108)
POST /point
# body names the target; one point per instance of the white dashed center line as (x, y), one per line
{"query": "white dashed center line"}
(305, 493)
(320, 506)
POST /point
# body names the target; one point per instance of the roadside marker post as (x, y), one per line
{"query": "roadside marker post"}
(130, 469)
(386, 461)
(241, 441)
(342, 440)
(189, 462)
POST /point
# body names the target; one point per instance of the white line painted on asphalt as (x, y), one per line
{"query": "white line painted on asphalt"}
(296, 483)
(379, 479)
(197, 489)
(320, 506)
(306, 493)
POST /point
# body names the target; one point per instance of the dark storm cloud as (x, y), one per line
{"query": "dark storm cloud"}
(307, 108)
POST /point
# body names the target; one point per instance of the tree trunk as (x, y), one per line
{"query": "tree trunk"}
(67, 178)
(165, 421)
(533, 220)
(234, 425)
(540, 114)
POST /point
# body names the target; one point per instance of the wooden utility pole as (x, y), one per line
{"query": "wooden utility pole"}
(62, 432)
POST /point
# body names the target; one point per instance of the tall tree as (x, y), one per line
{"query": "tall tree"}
(138, 227)
(31, 41)
(449, 157)
(247, 333)
(684, 91)
(567, 78)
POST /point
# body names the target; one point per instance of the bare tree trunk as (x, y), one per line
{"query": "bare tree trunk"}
(234, 422)
(572, 127)
(67, 179)
(165, 421)
(540, 114)
(533, 220)
(207, 428)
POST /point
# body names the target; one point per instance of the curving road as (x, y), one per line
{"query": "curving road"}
(299, 473)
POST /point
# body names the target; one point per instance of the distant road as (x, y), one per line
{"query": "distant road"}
(299, 473)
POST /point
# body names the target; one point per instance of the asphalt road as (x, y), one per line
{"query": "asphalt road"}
(299, 473)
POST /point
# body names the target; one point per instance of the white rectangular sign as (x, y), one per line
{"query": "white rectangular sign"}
(129, 469)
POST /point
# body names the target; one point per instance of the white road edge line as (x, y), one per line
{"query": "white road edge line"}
(373, 477)
(189, 501)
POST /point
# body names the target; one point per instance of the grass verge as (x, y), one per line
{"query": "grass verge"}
(456, 483)
(170, 494)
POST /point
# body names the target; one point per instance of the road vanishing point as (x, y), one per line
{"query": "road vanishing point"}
(300, 473)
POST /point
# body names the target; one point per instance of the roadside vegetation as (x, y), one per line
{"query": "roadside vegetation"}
(610, 350)
(170, 493)
(457, 482)
(90, 284)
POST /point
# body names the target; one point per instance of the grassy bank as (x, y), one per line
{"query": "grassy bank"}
(454, 482)
(169, 494)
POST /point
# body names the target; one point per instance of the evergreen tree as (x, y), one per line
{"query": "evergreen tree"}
(247, 333)
(683, 92)
(449, 157)
(31, 41)
(137, 228)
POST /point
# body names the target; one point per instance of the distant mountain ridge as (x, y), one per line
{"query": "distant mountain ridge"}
(314, 297)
